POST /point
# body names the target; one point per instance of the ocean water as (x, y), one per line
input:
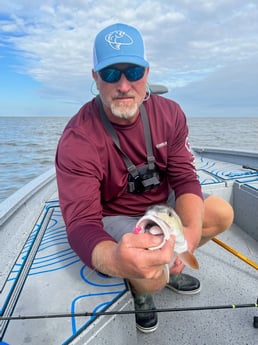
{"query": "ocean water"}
(28, 144)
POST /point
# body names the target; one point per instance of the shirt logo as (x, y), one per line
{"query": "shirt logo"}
(161, 144)
(187, 144)
(118, 38)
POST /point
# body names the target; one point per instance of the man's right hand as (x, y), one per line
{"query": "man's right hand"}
(130, 259)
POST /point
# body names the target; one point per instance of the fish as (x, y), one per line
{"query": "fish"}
(163, 221)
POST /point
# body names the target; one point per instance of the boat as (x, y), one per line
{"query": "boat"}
(48, 296)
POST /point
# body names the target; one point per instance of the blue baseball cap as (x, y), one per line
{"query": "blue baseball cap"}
(118, 43)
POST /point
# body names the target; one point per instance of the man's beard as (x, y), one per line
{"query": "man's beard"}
(124, 111)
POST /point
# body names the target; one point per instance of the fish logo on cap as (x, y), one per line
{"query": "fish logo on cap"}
(118, 38)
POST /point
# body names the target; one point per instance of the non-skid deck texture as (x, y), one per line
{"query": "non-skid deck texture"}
(211, 171)
(58, 282)
(225, 279)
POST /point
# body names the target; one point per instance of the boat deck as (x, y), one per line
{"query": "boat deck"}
(49, 279)
(225, 279)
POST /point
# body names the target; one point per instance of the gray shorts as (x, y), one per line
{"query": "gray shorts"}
(117, 226)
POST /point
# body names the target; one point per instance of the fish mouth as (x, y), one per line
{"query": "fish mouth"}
(154, 226)
(163, 221)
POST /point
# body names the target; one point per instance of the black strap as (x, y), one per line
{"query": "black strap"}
(147, 135)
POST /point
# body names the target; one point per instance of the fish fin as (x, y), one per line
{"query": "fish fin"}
(189, 259)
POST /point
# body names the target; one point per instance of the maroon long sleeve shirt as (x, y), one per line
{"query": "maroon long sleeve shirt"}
(92, 176)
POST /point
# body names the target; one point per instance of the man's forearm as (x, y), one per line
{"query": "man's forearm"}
(102, 258)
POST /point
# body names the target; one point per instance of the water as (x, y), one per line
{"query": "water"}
(27, 149)
(28, 144)
(232, 133)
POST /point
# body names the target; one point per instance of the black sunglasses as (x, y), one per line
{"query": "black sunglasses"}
(113, 75)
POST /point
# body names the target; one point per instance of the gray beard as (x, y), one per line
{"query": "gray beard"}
(124, 112)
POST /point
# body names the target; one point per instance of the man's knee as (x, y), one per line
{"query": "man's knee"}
(218, 213)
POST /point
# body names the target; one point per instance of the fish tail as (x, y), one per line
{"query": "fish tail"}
(189, 259)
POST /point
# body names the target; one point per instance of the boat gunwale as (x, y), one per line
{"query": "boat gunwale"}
(12, 204)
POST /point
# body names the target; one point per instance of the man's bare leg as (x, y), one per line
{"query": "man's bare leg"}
(218, 217)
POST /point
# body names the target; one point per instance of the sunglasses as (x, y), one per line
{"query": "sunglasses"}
(113, 75)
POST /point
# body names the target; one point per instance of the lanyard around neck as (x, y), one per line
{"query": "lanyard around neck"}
(147, 135)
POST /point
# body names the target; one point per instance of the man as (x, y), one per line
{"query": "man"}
(102, 199)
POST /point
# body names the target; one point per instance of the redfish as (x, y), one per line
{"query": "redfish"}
(162, 220)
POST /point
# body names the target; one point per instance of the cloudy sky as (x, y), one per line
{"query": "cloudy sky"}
(204, 51)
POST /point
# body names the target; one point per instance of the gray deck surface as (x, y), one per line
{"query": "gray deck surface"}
(225, 279)
(56, 281)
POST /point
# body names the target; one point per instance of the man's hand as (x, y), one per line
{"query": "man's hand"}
(177, 267)
(130, 258)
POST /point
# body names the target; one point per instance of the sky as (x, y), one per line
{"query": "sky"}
(204, 51)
